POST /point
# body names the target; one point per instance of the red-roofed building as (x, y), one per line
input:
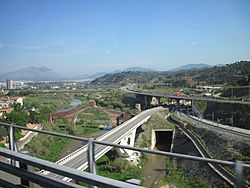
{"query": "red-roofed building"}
(5, 111)
(6, 102)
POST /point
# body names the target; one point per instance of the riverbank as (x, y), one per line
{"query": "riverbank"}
(73, 104)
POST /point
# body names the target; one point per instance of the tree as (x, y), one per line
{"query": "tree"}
(118, 165)
(18, 116)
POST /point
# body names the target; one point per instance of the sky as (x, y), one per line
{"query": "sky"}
(75, 37)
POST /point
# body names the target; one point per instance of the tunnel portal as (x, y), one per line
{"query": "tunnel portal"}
(162, 139)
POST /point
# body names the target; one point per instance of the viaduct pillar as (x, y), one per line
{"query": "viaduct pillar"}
(144, 100)
(128, 140)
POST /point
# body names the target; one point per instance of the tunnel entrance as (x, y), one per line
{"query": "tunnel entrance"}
(162, 139)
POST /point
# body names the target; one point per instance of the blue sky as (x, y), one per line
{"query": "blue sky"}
(81, 36)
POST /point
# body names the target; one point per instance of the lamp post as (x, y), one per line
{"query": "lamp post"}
(232, 121)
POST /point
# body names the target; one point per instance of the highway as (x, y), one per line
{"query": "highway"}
(221, 171)
(79, 160)
(184, 97)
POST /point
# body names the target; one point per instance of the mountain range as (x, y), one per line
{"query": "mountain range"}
(235, 74)
(100, 74)
(46, 74)
(190, 66)
(32, 74)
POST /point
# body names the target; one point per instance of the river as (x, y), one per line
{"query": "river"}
(154, 171)
(73, 104)
(74, 144)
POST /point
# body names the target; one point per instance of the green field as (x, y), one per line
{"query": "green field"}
(177, 178)
(119, 168)
(93, 114)
(48, 103)
(50, 147)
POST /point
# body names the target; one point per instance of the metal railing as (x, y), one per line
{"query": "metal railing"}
(90, 178)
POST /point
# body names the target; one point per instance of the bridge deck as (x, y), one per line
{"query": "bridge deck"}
(80, 159)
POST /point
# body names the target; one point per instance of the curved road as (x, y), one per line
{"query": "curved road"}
(80, 161)
(222, 172)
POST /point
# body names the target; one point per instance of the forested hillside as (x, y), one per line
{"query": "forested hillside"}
(232, 74)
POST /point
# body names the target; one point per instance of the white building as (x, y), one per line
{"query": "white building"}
(7, 102)
(9, 84)
(208, 88)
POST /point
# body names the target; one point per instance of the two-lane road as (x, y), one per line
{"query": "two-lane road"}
(79, 161)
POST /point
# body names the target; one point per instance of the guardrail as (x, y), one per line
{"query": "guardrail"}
(90, 178)
(86, 177)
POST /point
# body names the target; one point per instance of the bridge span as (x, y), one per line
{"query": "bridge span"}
(79, 159)
(144, 98)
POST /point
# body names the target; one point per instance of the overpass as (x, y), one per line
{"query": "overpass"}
(124, 134)
(146, 97)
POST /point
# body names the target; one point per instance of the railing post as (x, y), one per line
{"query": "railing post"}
(12, 143)
(238, 173)
(91, 156)
(25, 167)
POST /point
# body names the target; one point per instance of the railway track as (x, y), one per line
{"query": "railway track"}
(221, 171)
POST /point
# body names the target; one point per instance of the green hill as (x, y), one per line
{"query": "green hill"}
(236, 74)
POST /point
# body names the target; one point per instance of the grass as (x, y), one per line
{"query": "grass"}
(200, 105)
(2, 145)
(47, 147)
(93, 114)
(119, 168)
(48, 103)
(177, 178)
(87, 131)
(92, 125)
(157, 120)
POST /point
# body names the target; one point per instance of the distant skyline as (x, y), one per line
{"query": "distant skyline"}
(83, 37)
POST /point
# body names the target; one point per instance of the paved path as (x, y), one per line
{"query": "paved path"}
(27, 138)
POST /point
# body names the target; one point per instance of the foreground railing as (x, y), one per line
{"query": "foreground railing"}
(42, 180)
(90, 178)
